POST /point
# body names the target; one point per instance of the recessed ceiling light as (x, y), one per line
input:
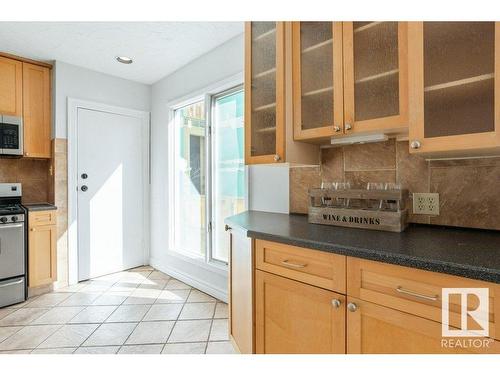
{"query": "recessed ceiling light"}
(124, 59)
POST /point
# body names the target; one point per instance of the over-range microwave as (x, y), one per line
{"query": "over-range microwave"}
(11, 135)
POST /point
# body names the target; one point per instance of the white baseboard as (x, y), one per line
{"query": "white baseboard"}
(190, 280)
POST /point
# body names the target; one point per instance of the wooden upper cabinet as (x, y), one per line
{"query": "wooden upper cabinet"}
(293, 318)
(36, 111)
(317, 79)
(11, 87)
(264, 92)
(453, 69)
(375, 59)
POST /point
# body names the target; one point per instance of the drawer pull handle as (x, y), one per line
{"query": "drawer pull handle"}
(287, 263)
(400, 289)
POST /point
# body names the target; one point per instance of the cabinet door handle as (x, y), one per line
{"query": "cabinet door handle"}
(352, 307)
(401, 290)
(336, 303)
(287, 263)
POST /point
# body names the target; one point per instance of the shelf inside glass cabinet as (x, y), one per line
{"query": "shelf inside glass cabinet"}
(458, 78)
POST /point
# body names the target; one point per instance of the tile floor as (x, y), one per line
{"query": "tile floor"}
(137, 311)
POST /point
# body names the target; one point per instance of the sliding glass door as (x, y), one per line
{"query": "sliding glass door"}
(228, 166)
(208, 178)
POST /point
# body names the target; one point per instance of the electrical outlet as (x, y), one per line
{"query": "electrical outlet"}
(426, 203)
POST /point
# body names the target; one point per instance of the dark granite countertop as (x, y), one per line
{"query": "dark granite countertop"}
(40, 206)
(469, 253)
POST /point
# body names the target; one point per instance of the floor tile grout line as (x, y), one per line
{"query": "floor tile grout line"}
(210, 330)
(101, 293)
(100, 324)
(121, 304)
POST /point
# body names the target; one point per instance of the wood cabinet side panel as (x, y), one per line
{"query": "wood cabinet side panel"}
(241, 292)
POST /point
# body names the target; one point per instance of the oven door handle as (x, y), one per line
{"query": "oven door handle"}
(6, 226)
(17, 282)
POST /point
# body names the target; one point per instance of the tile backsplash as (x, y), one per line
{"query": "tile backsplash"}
(469, 189)
(32, 173)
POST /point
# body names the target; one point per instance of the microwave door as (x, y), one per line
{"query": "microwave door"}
(12, 136)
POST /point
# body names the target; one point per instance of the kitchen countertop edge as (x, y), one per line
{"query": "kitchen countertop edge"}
(31, 207)
(427, 264)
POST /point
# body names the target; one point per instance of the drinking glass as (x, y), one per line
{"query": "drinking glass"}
(343, 186)
(374, 204)
(326, 201)
(392, 204)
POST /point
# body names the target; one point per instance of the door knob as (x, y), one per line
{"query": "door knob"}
(336, 303)
(352, 307)
(277, 157)
(336, 128)
(348, 126)
(84, 188)
(85, 176)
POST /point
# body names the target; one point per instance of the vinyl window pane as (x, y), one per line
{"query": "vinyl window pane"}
(189, 181)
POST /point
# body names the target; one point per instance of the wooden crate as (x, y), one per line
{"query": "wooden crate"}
(393, 221)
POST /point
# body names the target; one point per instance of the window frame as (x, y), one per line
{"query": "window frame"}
(206, 94)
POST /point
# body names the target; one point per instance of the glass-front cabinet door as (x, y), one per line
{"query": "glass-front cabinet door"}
(264, 92)
(375, 77)
(317, 79)
(452, 69)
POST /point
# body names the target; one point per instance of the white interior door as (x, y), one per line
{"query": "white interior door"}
(111, 176)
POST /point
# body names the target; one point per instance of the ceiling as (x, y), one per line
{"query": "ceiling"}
(158, 48)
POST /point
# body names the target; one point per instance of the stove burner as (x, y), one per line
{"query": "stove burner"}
(11, 209)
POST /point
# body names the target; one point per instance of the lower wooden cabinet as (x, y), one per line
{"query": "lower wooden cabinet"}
(374, 329)
(42, 262)
(388, 309)
(293, 317)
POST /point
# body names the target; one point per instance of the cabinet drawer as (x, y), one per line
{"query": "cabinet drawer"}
(418, 292)
(309, 266)
(37, 218)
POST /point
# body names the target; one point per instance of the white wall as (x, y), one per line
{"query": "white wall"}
(217, 65)
(80, 83)
(268, 188)
(268, 185)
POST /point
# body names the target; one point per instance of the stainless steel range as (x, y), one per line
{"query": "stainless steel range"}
(13, 255)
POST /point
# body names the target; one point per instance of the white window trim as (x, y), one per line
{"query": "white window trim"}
(205, 94)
